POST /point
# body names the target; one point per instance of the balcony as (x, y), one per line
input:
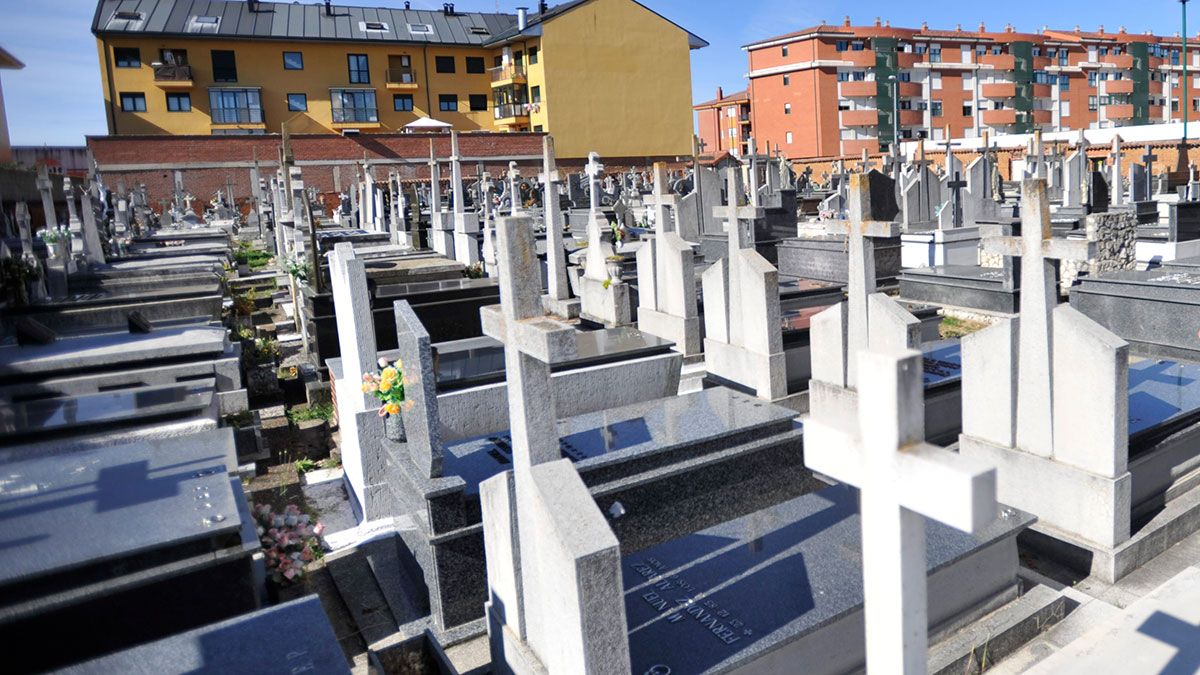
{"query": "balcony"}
(910, 89)
(1041, 91)
(1041, 62)
(912, 118)
(858, 89)
(908, 59)
(1118, 87)
(1117, 61)
(1156, 113)
(508, 75)
(247, 115)
(998, 61)
(864, 57)
(999, 118)
(355, 117)
(998, 90)
(855, 147)
(1043, 116)
(511, 114)
(860, 118)
(173, 77)
(1122, 111)
(401, 79)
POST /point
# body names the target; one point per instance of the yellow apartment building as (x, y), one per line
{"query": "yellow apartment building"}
(609, 76)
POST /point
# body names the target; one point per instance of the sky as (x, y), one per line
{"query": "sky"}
(57, 100)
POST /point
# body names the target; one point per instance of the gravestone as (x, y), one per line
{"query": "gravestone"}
(557, 299)
(441, 225)
(604, 299)
(667, 304)
(466, 225)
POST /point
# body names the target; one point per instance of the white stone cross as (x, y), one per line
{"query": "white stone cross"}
(1038, 251)
(598, 249)
(486, 186)
(752, 158)
(456, 175)
(45, 187)
(514, 195)
(662, 199)
(557, 287)
(435, 186)
(903, 480)
(1118, 189)
(861, 230)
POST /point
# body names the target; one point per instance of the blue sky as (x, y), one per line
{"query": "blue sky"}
(56, 99)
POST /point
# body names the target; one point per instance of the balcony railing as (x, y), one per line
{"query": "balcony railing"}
(237, 116)
(171, 73)
(510, 110)
(1121, 111)
(860, 118)
(859, 89)
(402, 76)
(507, 72)
(352, 115)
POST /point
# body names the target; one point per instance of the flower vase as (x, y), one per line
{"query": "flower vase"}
(614, 270)
(393, 426)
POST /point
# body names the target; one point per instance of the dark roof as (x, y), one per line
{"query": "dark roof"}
(743, 95)
(295, 21)
(534, 22)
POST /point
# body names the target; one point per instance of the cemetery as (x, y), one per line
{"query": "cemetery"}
(445, 411)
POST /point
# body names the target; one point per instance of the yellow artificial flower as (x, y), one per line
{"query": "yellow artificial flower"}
(391, 409)
(385, 386)
(390, 373)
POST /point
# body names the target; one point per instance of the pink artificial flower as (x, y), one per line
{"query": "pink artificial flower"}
(288, 574)
(318, 529)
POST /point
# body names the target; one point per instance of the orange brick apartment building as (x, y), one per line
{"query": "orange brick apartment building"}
(828, 90)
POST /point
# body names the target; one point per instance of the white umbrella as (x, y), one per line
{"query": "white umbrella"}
(427, 124)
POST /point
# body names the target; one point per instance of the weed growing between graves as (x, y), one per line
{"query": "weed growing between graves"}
(320, 411)
(952, 327)
(250, 256)
(239, 419)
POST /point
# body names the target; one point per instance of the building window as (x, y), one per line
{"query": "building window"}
(448, 102)
(841, 45)
(402, 102)
(354, 105)
(857, 46)
(935, 108)
(224, 65)
(519, 58)
(537, 128)
(478, 102)
(788, 138)
(535, 94)
(127, 57)
(533, 56)
(843, 76)
(922, 49)
(787, 108)
(1064, 83)
(293, 61)
(235, 106)
(904, 76)
(1092, 103)
(968, 110)
(1092, 79)
(297, 102)
(179, 102)
(444, 64)
(784, 51)
(787, 80)
(360, 71)
(133, 102)
(476, 65)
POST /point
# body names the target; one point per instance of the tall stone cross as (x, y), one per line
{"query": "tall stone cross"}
(1039, 252)
(556, 263)
(952, 165)
(661, 199)
(871, 212)
(1148, 158)
(598, 249)
(864, 165)
(456, 176)
(486, 186)
(46, 189)
(435, 187)
(903, 480)
(1117, 192)
(752, 161)
(24, 229)
(1038, 155)
(739, 227)
(532, 344)
(514, 194)
(922, 174)
(956, 184)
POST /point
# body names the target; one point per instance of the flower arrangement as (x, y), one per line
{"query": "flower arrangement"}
(290, 541)
(50, 237)
(295, 268)
(387, 385)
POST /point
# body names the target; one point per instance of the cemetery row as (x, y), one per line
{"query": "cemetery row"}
(718, 407)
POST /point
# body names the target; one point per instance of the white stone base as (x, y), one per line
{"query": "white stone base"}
(766, 374)
(608, 306)
(1093, 511)
(466, 248)
(442, 241)
(565, 309)
(1153, 251)
(685, 333)
(959, 246)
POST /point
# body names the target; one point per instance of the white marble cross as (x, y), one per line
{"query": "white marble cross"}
(752, 158)
(1038, 251)
(903, 481)
(486, 186)
(598, 249)
(514, 194)
(456, 175)
(435, 187)
(556, 263)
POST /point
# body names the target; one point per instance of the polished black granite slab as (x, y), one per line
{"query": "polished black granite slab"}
(23, 421)
(1164, 397)
(295, 637)
(608, 437)
(68, 511)
(718, 598)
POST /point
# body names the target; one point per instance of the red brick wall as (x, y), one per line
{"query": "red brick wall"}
(127, 157)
